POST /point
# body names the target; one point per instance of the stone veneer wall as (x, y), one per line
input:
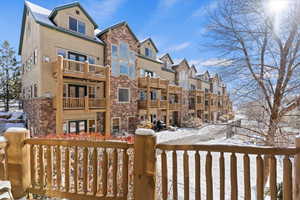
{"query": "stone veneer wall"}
(121, 110)
(185, 105)
(40, 115)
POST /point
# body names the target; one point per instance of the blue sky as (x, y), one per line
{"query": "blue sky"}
(174, 25)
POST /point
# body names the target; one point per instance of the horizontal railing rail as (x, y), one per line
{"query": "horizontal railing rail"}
(80, 169)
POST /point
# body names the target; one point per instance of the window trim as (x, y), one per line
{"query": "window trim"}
(129, 95)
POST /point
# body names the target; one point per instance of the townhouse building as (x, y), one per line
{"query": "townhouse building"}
(78, 78)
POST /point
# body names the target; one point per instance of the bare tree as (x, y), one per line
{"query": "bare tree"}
(261, 40)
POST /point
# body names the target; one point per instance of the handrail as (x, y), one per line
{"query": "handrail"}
(79, 143)
(231, 149)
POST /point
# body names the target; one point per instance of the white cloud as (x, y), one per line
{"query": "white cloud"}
(103, 9)
(202, 11)
(179, 47)
(215, 62)
(167, 3)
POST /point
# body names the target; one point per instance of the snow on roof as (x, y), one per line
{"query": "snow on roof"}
(39, 13)
(15, 127)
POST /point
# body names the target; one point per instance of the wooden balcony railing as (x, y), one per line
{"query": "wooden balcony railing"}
(83, 70)
(154, 104)
(246, 178)
(174, 106)
(164, 104)
(153, 82)
(83, 103)
(97, 103)
(142, 104)
(73, 103)
(80, 169)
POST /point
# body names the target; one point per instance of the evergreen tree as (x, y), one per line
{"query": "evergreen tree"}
(10, 87)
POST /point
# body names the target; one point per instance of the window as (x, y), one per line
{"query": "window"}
(35, 90)
(65, 90)
(81, 27)
(148, 52)
(131, 124)
(116, 125)
(76, 25)
(123, 95)
(153, 94)
(149, 73)
(35, 60)
(193, 87)
(124, 69)
(92, 92)
(114, 50)
(61, 52)
(124, 50)
(143, 96)
(92, 60)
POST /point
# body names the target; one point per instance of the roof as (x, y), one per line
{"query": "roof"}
(168, 55)
(70, 5)
(116, 26)
(149, 39)
(167, 69)
(41, 16)
(193, 66)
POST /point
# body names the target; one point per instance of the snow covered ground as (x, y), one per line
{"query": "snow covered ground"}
(213, 135)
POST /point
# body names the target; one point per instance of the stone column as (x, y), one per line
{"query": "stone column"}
(144, 164)
(18, 160)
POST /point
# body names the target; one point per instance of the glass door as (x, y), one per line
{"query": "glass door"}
(78, 126)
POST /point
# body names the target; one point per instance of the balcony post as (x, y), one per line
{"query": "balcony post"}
(144, 164)
(59, 96)
(86, 103)
(18, 161)
(168, 106)
(297, 171)
(86, 67)
(148, 98)
(107, 102)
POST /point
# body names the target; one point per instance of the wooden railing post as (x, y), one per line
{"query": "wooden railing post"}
(144, 164)
(18, 160)
(107, 102)
(297, 171)
(59, 96)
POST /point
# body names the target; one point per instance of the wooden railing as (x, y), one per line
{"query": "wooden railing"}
(164, 104)
(145, 170)
(154, 104)
(174, 106)
(73, 66)
(96, 70)
(78, 169)
(79, 69)
(73, 103)
(215, 159)
(97, 103)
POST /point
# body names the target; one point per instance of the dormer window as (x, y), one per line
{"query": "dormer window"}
(148, 52)
(76, 25)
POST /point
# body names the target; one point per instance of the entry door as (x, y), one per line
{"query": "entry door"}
(77, 91)
(175, 118)
(78, 126)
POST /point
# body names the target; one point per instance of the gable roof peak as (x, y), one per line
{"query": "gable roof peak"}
(70, 5)
(168, 55)
(150, 40)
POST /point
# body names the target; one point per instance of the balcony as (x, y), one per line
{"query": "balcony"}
(164, 104)
(174, 106)
(200, 106)
(196, 93)
(153, 82)
(81, 70)
(142, 104)
(84, 103)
